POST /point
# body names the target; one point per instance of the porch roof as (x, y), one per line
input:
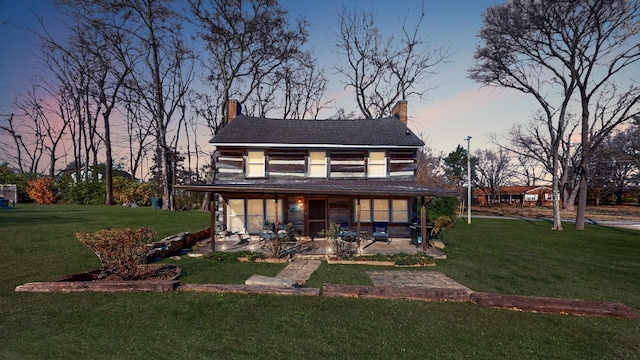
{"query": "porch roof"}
(326, 187)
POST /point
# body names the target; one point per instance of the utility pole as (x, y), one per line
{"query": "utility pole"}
(468, 180)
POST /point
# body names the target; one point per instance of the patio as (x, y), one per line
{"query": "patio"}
(317, 247)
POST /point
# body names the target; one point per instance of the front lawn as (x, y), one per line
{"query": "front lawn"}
(37, 243)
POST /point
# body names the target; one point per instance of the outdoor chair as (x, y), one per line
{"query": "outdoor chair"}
(345, 232)
(380, 232)
(267, 232)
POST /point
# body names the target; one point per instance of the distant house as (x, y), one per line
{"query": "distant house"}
(312, 172)
(516, 195)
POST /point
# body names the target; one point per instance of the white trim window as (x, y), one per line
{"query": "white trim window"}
(530, 197)
(236, 216)
(249, 215)
(400, 210)
(382, 210)
(365, 210)
(377, 164)
(317, 164)
(255, 164)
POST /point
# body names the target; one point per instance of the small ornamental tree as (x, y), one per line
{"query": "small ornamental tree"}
(441, 212)
(120, 251)
(40, 190)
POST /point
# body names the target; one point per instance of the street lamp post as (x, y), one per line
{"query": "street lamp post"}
(468, 138)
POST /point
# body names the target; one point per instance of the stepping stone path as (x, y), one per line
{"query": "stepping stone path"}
(300, 270)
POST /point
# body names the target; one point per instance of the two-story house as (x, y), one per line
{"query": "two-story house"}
(312, 172)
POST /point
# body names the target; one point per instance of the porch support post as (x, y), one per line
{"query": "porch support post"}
(212, 210)
(276, 222)
(423, 222)
(358, 220)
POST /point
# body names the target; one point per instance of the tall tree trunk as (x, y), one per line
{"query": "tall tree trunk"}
(584, 166)
(557, 220)
(108, 161)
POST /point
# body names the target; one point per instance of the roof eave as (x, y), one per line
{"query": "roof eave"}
(328, 146)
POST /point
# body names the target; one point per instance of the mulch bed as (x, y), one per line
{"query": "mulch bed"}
(145, 272)
(155, 277)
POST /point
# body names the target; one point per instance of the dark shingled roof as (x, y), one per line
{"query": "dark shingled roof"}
(362, 132)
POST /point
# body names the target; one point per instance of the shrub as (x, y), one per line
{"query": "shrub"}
(127, 191)
(120, 251)
(41, 190)
(91, 192)
(7, 176)
(279, 245)
(341, 248)
(232, 256)
(441, 212)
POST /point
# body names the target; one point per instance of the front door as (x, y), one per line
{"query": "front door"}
(317, 217)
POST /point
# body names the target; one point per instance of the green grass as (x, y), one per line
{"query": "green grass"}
(501, 256)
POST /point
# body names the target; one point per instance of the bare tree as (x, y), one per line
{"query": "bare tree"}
(28, 139)
(575, 50)
(494, 170)
(43, 132)
(431, 170)
(530, 142)
(528, 172)
(139, 133)
(615, 164)
(98, 39)
(296, 89)
(514, 56)
(382, 70)
(247, 42)
(162, 79)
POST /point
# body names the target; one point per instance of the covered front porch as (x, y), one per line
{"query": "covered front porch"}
(310, 206)
(317, 248)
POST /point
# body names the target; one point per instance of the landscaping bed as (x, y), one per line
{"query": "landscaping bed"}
(154, 277)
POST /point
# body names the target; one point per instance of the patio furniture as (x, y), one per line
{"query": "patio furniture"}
(267, 232)
(345, 233)
(380, 232)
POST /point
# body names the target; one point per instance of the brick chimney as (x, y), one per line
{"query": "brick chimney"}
(233, 109)
(400, 111)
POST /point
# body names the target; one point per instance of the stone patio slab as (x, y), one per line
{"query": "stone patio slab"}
(428, 279)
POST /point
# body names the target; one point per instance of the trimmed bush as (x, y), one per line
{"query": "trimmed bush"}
(120, 251)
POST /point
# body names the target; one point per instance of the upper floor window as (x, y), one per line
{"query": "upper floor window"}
(377, 164)
(317, 164)
(255, 164)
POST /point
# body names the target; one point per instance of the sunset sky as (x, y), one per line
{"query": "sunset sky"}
(457, 108)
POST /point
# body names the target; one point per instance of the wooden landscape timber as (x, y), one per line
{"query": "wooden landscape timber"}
(249, 289)
(99, 286)
(555, 305)
(393, 292)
